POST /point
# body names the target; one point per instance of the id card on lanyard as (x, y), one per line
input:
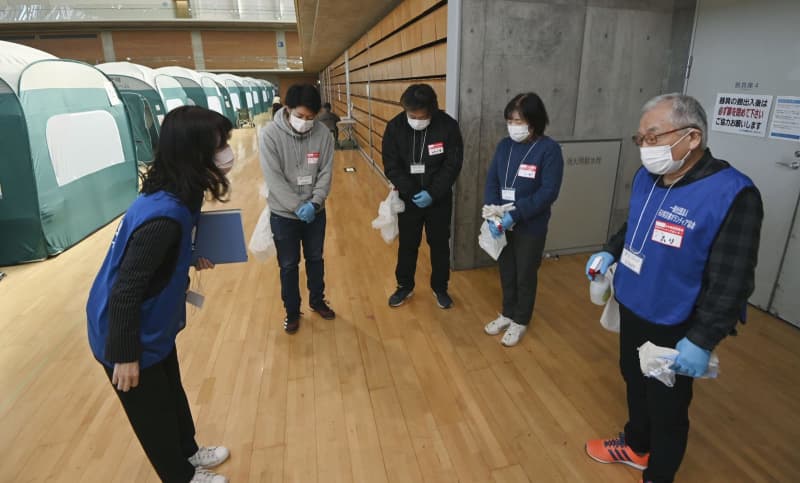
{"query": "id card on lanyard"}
(509, 193)
(418, 165)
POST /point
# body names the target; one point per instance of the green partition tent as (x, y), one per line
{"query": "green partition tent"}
(135, 78)
(237, 92)
(68, 160)
(227, 104)
(172, 92)
(255, 88)
(190, 81)
(138, 114)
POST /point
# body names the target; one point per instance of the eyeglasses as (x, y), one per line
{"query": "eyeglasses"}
(651, 138)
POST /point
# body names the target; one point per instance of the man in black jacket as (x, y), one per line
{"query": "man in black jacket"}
(422, 157)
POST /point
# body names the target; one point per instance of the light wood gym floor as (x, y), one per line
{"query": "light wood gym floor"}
(379, 394)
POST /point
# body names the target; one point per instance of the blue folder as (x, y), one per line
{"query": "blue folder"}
(219, 237)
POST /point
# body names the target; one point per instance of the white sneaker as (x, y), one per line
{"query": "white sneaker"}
(500, 323)
(209, 457)
(205, 476)
(513, 334)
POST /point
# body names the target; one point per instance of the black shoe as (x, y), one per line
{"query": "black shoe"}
(443, 300)
(322, 309)
(399, 296)
(291, 323)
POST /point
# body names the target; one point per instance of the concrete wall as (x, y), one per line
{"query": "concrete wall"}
(593, 62)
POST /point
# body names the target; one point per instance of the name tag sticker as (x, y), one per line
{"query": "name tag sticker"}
(632, 261)
(312, 158)
(304, 180)
(668, 234)
(527, 171)
(435, 148)
(417, 169)
(509, 194)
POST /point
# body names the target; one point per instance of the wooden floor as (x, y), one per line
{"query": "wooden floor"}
(379, 394)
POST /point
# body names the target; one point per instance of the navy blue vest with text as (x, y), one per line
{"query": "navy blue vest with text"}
(675, 241)
(163, 315)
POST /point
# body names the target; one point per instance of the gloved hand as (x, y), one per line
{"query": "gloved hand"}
(306, 212)
(494, 229)
(508, 221)
(692, 360)
(422, 199)
(607, 260)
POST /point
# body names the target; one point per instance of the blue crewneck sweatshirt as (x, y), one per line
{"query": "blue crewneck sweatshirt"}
(536, 185)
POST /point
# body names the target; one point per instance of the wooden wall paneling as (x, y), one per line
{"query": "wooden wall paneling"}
(358, 89)
(384, 110)
(240, 50)
(155, 48)
(293, 47)
(360, 102)
(378, 125)
(441, 23)
(86, 47)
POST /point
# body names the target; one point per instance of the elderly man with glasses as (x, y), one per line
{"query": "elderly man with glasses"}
(687, 257)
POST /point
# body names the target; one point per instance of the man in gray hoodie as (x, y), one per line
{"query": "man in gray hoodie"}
(297, 161)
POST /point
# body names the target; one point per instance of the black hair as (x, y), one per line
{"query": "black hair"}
(418, 97)
(531, 108)
(327, 106)
(304, 95)
(184, 163)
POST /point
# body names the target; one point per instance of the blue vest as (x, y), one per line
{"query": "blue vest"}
(675, 242)
(163, 315)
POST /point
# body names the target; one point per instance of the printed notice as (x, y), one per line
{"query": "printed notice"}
(786, 119)
(741, 114)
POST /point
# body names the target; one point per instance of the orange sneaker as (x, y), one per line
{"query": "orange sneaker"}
(615, 451)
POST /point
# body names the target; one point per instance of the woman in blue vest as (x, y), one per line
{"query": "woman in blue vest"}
(525, 173)
(137, 303)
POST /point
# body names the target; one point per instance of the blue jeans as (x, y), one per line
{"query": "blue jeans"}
(288, 235)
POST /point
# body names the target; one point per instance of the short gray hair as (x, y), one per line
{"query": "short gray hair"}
(686, 111)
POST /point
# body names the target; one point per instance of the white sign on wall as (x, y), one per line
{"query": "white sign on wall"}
(786, 119)
(741, 114)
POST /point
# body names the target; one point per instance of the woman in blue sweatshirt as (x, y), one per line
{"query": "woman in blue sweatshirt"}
(137, 304)
(526, 172)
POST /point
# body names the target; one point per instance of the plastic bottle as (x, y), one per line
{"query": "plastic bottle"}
(599, 289)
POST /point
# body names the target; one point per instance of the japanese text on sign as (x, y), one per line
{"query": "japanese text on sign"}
(741, 114)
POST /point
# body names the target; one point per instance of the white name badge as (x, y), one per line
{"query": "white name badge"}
(509, 194)
(312, 158)
(435, 148)
(668, 234)
(527, 171)
(417, 169)
(304, 180)
(632, 261)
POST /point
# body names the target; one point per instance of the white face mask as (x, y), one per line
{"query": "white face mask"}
(658, 159)
(300, 125)
(224, 159)
(418, 124)
(518, 132)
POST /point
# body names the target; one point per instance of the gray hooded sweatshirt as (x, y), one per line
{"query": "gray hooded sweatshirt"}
(297, 167)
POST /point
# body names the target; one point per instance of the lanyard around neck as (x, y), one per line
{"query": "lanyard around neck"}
(636, 230)
(508, 164)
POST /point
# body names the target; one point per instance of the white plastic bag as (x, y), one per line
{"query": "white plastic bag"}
(655, 361)
(610, 318)
(387, 221)
(261, 245)
(491, 245)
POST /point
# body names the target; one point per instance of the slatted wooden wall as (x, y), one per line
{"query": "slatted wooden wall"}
(408, 46)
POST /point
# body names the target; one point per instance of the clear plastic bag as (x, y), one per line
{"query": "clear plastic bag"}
(387, 221)
(261, 245)
(656, 361)
(491, 245)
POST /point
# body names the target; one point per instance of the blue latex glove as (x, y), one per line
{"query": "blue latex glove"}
(607, 260)
(692, 360)
(306, 212)
(494, 229)
(422, 199)
(508, 221)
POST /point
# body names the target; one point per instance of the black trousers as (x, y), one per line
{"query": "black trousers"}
(658, 416)
(436, 220)
(159, 413)
(519, 268)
